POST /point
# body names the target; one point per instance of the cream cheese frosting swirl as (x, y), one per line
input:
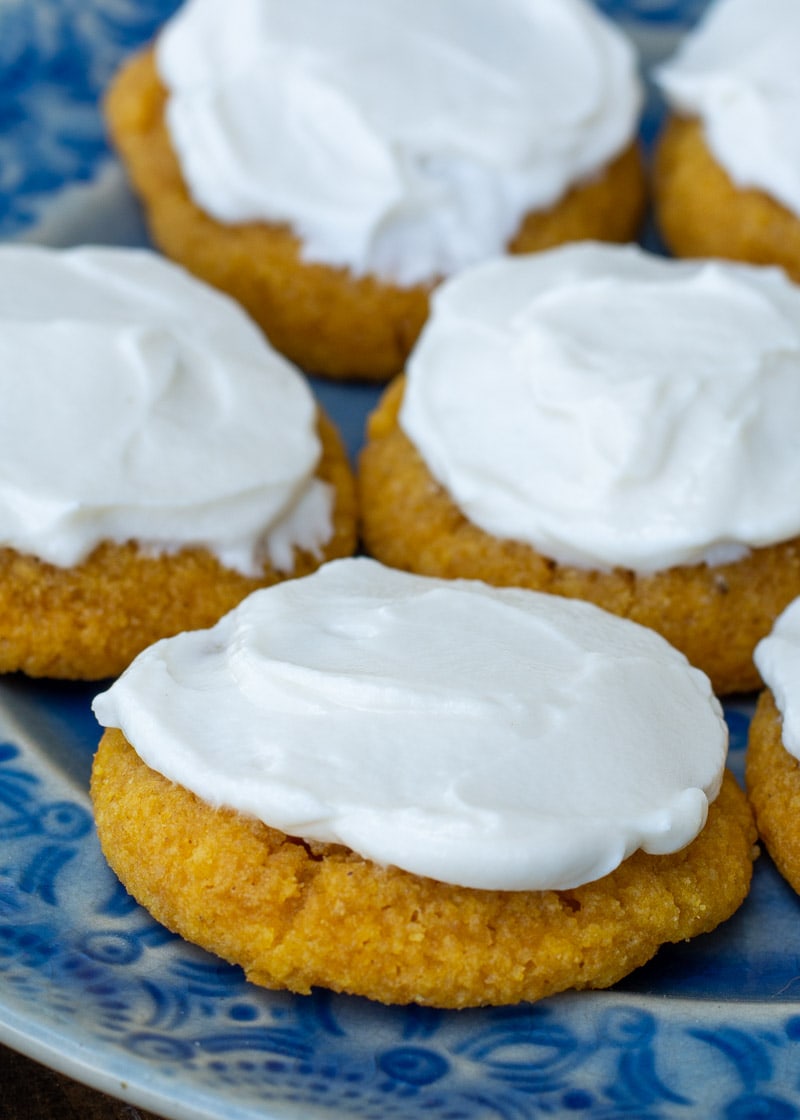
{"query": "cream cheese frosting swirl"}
(492, 738)
(613, 408)
(403, 139)
(739, 73)
(139, 404)
(777, 659)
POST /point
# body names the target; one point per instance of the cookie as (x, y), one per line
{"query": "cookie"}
(575, 427)
(391, 822)
(351, 304)
(297, 916)
(773, 787)
(772, 774)
(701, 212)
(89, 620)
(727, 168)
(159, 461)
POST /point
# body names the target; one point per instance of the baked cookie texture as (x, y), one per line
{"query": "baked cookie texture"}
(296, 915)
(89, 621)
(324, 319)
(701, 213)
(772, 775)
(716, 616)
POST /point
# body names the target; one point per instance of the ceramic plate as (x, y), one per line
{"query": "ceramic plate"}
(94, 987)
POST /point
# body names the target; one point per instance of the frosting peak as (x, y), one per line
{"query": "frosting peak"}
(402, 139)
(492, 738)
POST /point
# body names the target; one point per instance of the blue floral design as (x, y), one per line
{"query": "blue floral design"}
(56, 58)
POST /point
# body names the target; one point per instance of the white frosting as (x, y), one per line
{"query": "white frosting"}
(139, 404)
(612, 408)
(402, 138)
(739, 73)
(777, 659)
(490, 738)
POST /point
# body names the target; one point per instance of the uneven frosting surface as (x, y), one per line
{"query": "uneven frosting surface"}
(612, 408)
(738, 71)
(485, 737)
(777, 659)
(139, 404)
(403, 139)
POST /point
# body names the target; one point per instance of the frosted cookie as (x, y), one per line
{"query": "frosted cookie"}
(421, 790)
(158, 460)
(772, 768)
(727, 177)
(327, 163)
(608, 425)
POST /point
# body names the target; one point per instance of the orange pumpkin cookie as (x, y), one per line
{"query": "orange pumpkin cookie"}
(569, 423)
(702, 213)
(298, 915)
(158, 460)
(773, 786)
(727, 169)
(89, 620)
(329, 316)
(772, 769)
(715, 615)
(430, 791)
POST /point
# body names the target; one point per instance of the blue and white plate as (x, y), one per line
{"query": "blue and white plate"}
(91, 985)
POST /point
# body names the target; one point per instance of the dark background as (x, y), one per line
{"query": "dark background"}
(29, 1091)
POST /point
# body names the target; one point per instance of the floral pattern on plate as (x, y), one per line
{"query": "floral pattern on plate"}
(127, 1000)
